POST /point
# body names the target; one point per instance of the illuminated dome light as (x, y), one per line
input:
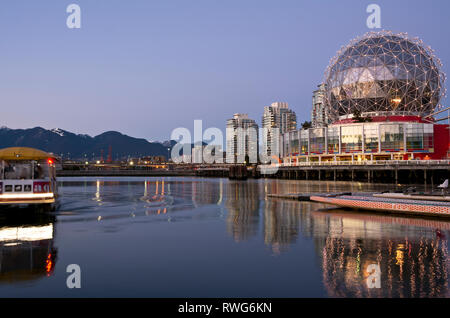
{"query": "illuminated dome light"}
(383, 72)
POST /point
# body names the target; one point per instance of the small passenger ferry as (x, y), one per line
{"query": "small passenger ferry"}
(27, 177)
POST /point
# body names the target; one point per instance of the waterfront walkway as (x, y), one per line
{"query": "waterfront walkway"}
(384, 171)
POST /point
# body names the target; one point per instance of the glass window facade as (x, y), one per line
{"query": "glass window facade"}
(294, 142)
(392, 138)
(414, 137)
(360, 138)
(371, 138)
(333, 140)
(351, 139)
(317, 140)
(304, 142)
(419, 137)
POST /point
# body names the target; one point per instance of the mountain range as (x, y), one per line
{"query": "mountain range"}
(76, 146)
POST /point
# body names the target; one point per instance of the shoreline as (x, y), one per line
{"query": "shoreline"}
(124, 173)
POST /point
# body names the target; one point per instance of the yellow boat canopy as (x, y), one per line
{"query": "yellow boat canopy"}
(24, 153)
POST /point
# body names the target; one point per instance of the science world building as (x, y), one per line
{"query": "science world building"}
(381, 94)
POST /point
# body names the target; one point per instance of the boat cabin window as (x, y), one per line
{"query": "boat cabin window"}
(41, 171)
(23, 170)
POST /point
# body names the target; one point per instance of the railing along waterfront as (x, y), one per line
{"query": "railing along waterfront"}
(362, 163)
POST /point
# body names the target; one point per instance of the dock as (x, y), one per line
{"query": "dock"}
(387, 205)
(305, 196)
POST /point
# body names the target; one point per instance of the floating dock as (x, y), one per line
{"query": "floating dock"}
(305, 196)
(390, 205)
(414, 196)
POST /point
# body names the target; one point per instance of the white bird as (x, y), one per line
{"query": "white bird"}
(444, 185)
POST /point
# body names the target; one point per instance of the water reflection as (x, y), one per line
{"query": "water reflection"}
(413, 261)
(281, 224)
(27, 252)
(412, 252)
(242, 204)
(204, 193)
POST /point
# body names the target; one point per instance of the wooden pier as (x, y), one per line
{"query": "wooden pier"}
(402, 171)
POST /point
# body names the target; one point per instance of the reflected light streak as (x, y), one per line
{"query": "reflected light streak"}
(97, 193)
(26, 196)
(34, 233)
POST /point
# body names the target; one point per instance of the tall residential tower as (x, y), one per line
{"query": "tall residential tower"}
(242, 139)
(319, 114)
(277, 119)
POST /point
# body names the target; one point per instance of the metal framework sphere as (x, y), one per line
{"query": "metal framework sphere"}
(384, 72)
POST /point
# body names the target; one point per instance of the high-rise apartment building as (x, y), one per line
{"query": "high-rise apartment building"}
(277, 119)
(242, 139)
(320, 113)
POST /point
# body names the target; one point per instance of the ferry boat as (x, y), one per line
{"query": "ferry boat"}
(27, 178)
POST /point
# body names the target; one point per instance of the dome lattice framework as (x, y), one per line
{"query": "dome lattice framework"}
(384, 72)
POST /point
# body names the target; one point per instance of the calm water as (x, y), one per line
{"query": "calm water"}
(191, 237)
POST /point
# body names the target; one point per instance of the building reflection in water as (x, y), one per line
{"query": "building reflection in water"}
(281, 219)
(204, 193)
(26, 248)
(162, 195)
(242, 203)
(412, 264)
(412, 253)
(281, 224)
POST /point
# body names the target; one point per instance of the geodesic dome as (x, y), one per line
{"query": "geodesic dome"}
(384, 72)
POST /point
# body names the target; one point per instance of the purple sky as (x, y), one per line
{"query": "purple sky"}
(146, 67)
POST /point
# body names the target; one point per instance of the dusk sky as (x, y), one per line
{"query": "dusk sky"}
(146, 67)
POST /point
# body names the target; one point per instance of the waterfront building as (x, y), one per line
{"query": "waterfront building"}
(277, 119)
(241, 139)
(152, 160)
(319, 113)
(381, 92)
